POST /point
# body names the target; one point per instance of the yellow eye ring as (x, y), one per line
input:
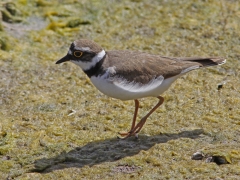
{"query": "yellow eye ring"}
(78, 53)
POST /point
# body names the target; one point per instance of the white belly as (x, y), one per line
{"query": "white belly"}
(120, 89)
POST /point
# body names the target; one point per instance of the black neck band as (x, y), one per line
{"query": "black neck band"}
(90, 72)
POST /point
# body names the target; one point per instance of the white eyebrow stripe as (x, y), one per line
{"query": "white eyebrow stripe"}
(82, 48)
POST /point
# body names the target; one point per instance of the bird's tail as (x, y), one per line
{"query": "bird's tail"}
(205, 62)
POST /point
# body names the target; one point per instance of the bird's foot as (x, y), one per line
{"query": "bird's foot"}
(126, 135)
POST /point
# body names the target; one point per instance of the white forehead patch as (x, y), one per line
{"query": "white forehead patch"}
(69, 52)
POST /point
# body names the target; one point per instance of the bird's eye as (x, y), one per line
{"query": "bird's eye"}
(78, 53)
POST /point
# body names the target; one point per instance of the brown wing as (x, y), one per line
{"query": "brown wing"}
(143, 67)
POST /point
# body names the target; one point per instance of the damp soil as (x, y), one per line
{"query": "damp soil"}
(54, 124)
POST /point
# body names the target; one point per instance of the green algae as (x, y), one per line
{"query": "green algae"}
(9, 12)
(56, 125)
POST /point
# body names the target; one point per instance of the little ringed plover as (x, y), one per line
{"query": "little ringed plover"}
(131, 75)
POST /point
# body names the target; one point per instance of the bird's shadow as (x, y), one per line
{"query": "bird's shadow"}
(109, 150)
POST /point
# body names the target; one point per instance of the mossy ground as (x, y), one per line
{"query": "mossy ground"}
(54, 124)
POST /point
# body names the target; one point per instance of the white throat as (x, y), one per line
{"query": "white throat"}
(89, 64)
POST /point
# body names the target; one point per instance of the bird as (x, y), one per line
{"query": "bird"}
(132, 75)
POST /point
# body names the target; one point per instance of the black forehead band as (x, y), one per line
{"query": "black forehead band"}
(72, 46)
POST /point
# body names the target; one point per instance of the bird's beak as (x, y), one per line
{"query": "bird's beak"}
(64, 59)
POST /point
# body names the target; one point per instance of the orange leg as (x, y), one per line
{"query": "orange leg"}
(134, 118)
(136, 129)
